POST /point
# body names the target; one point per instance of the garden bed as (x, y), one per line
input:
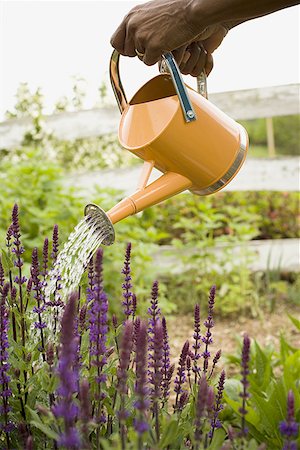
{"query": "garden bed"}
(228, 333)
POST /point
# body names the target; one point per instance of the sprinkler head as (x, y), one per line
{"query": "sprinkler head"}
(100, 220)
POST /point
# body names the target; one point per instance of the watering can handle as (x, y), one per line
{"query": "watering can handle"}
(169, 61)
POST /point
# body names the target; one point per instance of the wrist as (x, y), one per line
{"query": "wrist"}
(200, 14)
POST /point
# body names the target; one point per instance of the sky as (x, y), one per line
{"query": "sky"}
(46, 43)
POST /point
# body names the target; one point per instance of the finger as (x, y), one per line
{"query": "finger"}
(152, 56)
(209, 64)
(129, 47)
(195, 51)
(200, 64)
(215, 40)
(180, 55)
(118, 39)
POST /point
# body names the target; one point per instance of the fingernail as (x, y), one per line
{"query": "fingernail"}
(186, 57)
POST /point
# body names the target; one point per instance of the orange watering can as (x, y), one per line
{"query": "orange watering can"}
(177, 130)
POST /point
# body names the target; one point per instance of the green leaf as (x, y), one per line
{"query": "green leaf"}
(45, 429)
(218, 439)
(170, 433)
(295, 321)
(6, 261)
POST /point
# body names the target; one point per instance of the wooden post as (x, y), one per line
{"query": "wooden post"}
(270, 137)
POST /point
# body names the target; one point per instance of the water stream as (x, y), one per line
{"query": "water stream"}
(76, 253)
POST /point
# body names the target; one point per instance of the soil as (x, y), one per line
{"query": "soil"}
(227, 333)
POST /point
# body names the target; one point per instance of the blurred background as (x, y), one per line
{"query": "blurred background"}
(59, 151)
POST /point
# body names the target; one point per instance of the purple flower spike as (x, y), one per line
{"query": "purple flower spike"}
(126, 286)
(197, 341)
(85, 410)
(68, 376)
(201, 406)
(98, 332)
(141, 390)
(125, 351)
(209, 324)
(5, 391)
(289, 428)
(134, 305)
(245, 372)
(215, 423)
(122, 374)
(156, 374)
(9, 235)
(98, 317)
(154, 313)
(37, 286)
(45, 259)
(2, 279)
(136, 330)
(55, 243)
(181, 377)
(153, 310)
(166, 363)
(18, 249)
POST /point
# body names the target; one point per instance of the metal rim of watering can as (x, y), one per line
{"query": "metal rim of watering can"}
(186, 105)
(91, 210)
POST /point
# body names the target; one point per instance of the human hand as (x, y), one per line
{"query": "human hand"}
(154, 28)
(158, 26)
(197, 56)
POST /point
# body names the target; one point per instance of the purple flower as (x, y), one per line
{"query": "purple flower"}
(180, 377)
(154, 313)
(141, 390)
(209, 323)
(215, 362)
(98, 316)
(37, 286)
(9, 236)
(215, 423)
(2, 279)
(82, 319)
(15, 228)
(140, 426)
(125, 352)
(126, 286)
(69, 439)
(156, 367)
(245, 372)
(156, 372)
(85, 410)
(134, 305)
(68, 377)
(55, 243)
(5, 391)
(45, 259)
(289, 428)
(50, 354)
(90, 287)
(122, 373)
(153, 310)
(197, 341)
(166, 381)
(201, 406)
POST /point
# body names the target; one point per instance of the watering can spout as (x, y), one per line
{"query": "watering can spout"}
(166, 186)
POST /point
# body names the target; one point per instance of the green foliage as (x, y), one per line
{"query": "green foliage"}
(286, 134)
(272, 375)
(193, 227)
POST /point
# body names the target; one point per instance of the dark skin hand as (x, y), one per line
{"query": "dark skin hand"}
(191, 29)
